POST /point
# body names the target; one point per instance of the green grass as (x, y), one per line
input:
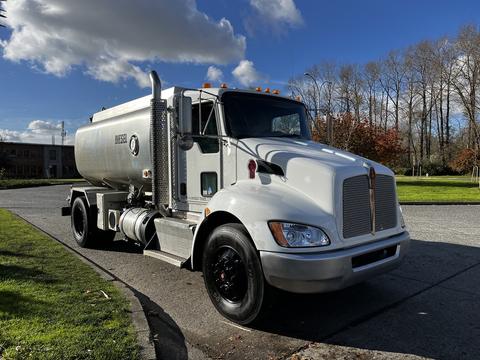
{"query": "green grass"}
(21, 183)
(51, 303)
(437, 189)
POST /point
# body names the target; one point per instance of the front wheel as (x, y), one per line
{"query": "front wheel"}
(233, 274)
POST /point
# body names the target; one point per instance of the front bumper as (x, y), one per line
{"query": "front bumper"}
(323, 272)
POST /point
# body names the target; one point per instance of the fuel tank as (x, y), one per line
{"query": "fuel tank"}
(114, 149)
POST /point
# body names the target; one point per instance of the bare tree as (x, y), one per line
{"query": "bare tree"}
(2, 13)
(466, 77)
(372, 77)
(392, 81)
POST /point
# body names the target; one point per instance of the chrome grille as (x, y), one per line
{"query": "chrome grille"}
(385, 203)
(356, 205)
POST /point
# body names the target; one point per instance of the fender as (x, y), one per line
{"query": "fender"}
(254, 204)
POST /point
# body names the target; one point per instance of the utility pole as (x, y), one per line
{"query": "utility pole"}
(63, 134)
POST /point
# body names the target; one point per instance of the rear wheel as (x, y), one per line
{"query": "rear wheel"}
(233, 274)
(84, 225)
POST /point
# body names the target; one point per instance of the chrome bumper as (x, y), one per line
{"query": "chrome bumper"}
(323, 272)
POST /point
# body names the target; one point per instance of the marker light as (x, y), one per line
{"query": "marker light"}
(252, 168)
(258, 88)
(267, 90)
(402, 220)
(298, 98)
(224, 86)
(276, 92)
(297, 235)
(206, 85)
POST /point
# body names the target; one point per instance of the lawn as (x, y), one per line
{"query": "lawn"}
(21, 183)
(54, 306)
(437, 189)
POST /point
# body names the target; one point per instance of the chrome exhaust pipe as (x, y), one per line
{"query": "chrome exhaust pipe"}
(159, 146)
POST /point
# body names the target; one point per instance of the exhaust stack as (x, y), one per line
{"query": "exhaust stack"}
(159, 146)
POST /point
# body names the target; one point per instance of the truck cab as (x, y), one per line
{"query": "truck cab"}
(229, 182)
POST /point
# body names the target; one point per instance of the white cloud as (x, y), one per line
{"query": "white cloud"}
(111, 37)
(44, 127)
(276, 14)
(246, 74)
(214, 73)
(10, 135)
(37, 132)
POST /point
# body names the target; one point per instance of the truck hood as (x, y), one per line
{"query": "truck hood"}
(311, 168)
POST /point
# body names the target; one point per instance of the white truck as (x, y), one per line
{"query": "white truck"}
(229, 182)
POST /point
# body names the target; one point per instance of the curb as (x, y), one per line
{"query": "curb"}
(439, 203)
(137, 314)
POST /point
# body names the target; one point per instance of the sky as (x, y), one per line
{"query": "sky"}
(63, 60)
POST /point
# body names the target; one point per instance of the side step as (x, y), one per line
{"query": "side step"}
(172, 241)
(169, 258)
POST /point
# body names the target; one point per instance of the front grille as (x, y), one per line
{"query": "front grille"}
(356, 205)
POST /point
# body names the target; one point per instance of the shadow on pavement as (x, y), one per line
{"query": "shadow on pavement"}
(167, 336)
(121, 246)
(430, 306)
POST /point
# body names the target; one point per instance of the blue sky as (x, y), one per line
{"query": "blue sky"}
(52, 79)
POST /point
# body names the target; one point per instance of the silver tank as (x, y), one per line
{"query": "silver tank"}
(114, 149)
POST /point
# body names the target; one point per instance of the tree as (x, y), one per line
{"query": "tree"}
(392, 81)
(428, 94)
(2, 13)
(372, 77)
(466, 79)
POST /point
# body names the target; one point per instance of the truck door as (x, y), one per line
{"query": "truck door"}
(200, 175)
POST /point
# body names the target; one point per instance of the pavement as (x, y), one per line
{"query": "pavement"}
(427, 308)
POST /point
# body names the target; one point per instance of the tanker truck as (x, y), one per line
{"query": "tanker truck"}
(229, 182)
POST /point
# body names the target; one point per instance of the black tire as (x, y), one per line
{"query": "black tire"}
(84, 225)
(233, 274)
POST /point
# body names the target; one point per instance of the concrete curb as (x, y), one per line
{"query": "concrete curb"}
(137, 315)
(439, 203)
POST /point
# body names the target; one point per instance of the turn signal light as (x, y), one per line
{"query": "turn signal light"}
(252, 168)
(207, 85)
(258, 88)
(267, 90)
(276, 92)
(298, 98)
(224, 86)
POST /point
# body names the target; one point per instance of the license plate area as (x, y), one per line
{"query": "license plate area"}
(373, 257)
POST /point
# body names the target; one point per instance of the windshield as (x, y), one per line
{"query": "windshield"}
(256, 115)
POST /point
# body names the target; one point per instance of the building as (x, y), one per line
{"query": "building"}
(22, 160)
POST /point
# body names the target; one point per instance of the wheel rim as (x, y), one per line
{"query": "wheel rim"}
(78, 221)
(229, 274)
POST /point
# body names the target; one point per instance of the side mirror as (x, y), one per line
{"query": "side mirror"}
(185, 123)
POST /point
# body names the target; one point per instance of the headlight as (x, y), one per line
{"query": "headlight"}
(297, 235)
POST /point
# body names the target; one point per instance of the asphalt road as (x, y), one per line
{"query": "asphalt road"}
(429, 307)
